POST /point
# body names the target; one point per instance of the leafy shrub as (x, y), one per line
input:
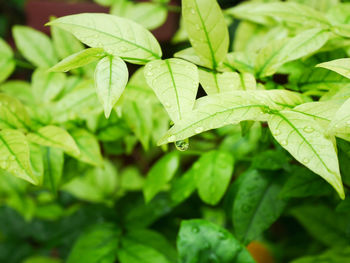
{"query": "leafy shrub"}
(89, 172)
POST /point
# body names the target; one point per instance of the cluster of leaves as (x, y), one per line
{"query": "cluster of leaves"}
(268, 106)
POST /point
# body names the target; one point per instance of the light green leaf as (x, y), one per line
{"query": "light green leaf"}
(54, 136)
(19, 89)
(53, 167)
(111, 76)
(340, 124)
(202, 241)
(341, 66)
(289, 12)
(15, 155)
(190, 55)
(36, 160)
(13, 114)
(324, 224)
(184, 186)
(35, 46)
(305, 139)
(96, 185)
(218, 110)
(213, 82)
(213, 172)
(115, 35)
(42, 260)
(89, 147)
(46, 86)
(79, 59)
(206, 26)
(252, 210)
(150, 15)
(175, 83)
(7, 64)
(98, 244)
(274, 55)
(65, 43)
(160, 174)
(240, 61)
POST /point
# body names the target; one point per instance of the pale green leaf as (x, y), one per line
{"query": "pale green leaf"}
(78, 59)
(175, 83)
(98, 244)
(218, 110)
(160, 174)
(213, 82)
(336, 255)
(289, 12)
(37, 163)
(7, 64)
(341, 66)
(118, 36)
(190, 55)
(53, 159)
(213, 172)
(35, 46)
(54, 136)
(150, 15)
(111, 77)
(15, 155)
(89, 147)
(305, 139)
(13, 114)
(240, 61)
(46, 85)
(19, 89)
(340, 123)
(65, 43)
(252, 210)
(206, 26)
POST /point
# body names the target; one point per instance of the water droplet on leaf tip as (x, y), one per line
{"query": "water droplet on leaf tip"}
(182, 145)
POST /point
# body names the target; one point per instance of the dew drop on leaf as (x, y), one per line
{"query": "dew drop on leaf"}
(193, 11)
(276, 132)
(308, 129)
(195, 229)
(167, 105)
(284, 143)
(198, 130)
(171, 138)
(182, 145)
(306, 160)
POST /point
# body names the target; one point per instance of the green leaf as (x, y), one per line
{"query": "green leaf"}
(35, 46)
(341, 66)
(19, 89)
(42, 260)
(111, 77)
(46, 86)
(184, 186)
(54, 136)
(336, 255)
(13, 114)
(205, 242)
(252, 210)
(160, 174)
(289, 12)
(274, 55)
(115, 35)
(213, 82)
(88, 146)
(213, 172)
(78, 59)
(96, 185)
(324, 224)
(65, 43)
(53, 159)
(97, 244)
(175, 83)
(7, 64)
(340, 124)
(218, 110)
(305, 139)
(190, 55)
(303, 183)
(15, 155)
(270, 160)
(149, 15)
(206, 26)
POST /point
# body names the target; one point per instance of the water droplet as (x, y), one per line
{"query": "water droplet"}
(149, 73)
(198, 130)
(195, 229)
(193, 11)
(198, 27)
(306, 160)
(284, 143)
(308, 129)
(182, 145)
(171, 138)
(276, 132)
(12, 158)
(167, 105)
